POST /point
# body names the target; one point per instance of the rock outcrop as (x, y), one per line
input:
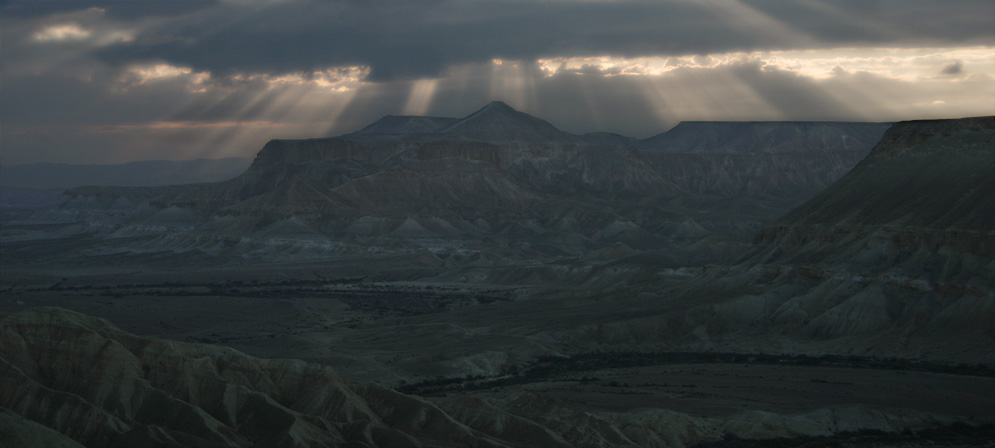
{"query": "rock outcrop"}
(70, 380)
(99, 386)
(897, 258)
(527, 180)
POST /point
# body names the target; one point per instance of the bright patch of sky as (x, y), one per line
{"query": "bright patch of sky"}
(906, 64)
(61, 32)
(94, 81)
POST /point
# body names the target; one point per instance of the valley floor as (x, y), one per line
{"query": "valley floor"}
(404, 335)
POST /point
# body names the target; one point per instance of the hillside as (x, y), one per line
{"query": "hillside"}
(894, 259)
(496, 174)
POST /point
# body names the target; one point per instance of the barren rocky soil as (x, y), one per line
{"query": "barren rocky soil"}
(863, 314)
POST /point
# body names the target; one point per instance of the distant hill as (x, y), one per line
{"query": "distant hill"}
(134, 174)
(893, 259)
(457, 185)
(405, 125)
(740, 137)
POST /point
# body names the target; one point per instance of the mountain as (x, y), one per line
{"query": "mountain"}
(910, 233)
(498, 122)
(608, 139)
(495, 175)
(143, 174)
(786, 160)
(25, 197)
(404, 125)
(893, 259)
(533, 293)
(924, 177)
(764, 137)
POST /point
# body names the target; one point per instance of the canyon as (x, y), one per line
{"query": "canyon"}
(494, 281)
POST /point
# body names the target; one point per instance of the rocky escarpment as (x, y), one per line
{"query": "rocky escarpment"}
(495, 175)
(911, 232)
(926, 186)
(792, 160)
(894, 259)
(764, 137)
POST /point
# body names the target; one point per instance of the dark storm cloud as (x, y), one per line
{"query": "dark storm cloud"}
(420, 38)
(119, 9)
(955, 68)
(82, 99)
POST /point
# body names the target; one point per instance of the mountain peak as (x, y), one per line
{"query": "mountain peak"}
(498, 122)
(405, 125)
(501, 105)
(499, 108)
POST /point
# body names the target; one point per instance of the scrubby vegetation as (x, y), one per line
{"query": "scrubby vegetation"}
(545, 368)
(955, 435)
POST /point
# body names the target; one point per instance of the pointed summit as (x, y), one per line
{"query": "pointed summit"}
(405, 125)
(498, 122)
(500, 106)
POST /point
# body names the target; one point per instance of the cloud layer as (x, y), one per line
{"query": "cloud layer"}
(102, 81)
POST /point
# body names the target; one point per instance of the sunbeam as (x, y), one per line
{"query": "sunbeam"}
(751, 21)
(420, 98)
(515, 82)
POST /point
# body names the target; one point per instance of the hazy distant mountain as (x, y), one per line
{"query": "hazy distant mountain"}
(498, 122)
(495, 123)
(405, 125)
(600, 253)
(753, 137)
(28, 197)
(496, 173)
(788, 160)
(608, 139)
(145, 173)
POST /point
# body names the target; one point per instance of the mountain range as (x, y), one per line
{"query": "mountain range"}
(492, 281)
(40, 184)
(427, 182)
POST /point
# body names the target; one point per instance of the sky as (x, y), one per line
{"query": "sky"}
(116, 81)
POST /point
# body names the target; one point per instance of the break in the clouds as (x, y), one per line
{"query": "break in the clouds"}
(129, 80)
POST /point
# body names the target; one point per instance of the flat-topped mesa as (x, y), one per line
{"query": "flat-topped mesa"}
(964, 134)
(765, 136)
(926, 185)
(473, 138)
(315, 150)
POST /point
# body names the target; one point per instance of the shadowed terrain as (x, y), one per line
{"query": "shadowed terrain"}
(493, 281)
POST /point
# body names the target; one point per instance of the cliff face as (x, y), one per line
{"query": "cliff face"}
(733, 137)
(897, 258)
(495, 173)
(909, 234)
(783, 159)
(795, 176)
(927, 184)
